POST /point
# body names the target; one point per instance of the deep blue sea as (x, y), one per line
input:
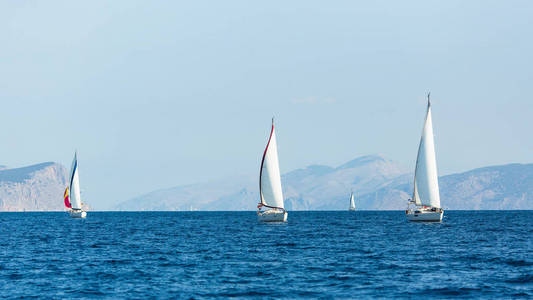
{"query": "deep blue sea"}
(471, 254)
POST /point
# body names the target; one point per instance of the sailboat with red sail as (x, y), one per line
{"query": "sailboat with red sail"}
(270, 192)
(72, 195)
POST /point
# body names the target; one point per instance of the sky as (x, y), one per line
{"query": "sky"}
(156, 94)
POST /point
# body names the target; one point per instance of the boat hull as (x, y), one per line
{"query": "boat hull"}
(272, 216)
(425, 216)
(78, 214)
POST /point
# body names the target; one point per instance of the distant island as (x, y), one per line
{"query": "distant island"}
(378, 183)
(34, 188)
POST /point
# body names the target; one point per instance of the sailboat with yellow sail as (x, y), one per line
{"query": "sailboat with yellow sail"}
(72, 196)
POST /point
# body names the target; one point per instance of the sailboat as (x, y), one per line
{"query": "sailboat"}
(352, 203)
(72, 195)
(270, 184)
(426, 197)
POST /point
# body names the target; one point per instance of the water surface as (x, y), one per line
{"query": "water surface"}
(229, 254)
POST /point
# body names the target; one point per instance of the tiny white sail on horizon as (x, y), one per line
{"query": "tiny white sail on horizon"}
(270, 178)
(352, 202)
(426, 183)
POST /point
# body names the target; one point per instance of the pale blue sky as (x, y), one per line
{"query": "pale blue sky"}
(156, 94)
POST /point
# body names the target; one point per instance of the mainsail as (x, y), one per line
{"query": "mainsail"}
(75, 197)
(269, 176)
(426, 186)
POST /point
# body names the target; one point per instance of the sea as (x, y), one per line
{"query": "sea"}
(318, 254)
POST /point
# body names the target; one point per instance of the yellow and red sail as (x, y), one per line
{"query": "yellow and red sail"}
(67, 198)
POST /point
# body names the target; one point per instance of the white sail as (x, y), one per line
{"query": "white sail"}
(352, 202)
(270, 178)
(426, 186)
(75, 197)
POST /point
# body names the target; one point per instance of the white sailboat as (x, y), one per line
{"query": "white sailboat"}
(352, 203)
(270, 184)
(426, 197)
(73, 192)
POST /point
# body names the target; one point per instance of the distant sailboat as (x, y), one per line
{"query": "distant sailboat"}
(352, 203)
(426, 197)
(72, 195)
(270, 184)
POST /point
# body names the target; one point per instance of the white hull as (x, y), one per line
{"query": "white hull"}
(272, 216)
(352, 209)
(420, 215)
(80, 214)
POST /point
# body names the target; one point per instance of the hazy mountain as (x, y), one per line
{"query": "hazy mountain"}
(315, 187)
(379, 184)
(323, 188)
(228, 194)
(498, 187)
(34, 188)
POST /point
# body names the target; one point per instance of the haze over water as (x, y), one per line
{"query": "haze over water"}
(470, 254)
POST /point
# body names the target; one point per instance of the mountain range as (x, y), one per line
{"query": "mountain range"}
(379, 184)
